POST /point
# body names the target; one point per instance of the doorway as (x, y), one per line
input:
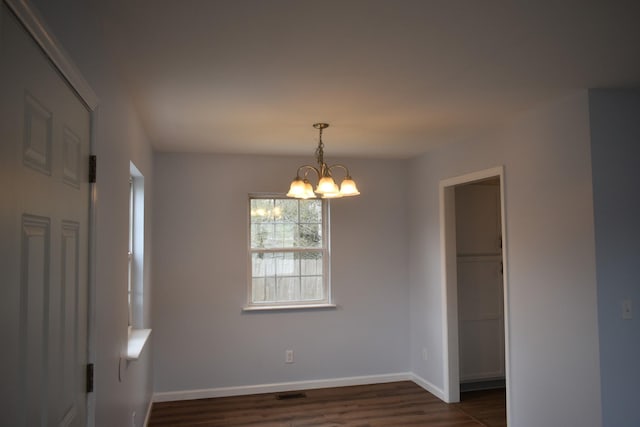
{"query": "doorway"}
(475, 291)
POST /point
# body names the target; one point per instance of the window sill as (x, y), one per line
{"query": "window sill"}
(137, 340)
(288, 307)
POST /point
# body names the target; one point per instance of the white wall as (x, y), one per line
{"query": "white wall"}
(119, 140)
(615, 137)
(202, 338)
(424, 243)
(554, 371)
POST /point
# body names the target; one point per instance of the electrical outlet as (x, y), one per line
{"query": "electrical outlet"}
(288, 356)
(425, 354)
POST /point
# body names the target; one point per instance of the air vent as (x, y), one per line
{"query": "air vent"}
(289, 396)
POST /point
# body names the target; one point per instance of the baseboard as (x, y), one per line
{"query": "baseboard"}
(436, 391)
(286, 386)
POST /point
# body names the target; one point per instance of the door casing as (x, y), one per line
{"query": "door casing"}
(449, 281)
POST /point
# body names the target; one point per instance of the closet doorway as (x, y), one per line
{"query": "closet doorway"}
(480, 285)
(474, 283)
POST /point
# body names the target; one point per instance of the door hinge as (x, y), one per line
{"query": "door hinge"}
(92, 169)
(90, 378)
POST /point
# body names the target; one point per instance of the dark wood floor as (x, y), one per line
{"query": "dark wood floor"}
(488, 406)
(393, 404)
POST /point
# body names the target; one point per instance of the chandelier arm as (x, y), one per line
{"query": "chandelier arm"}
(346, 170)
(308, 168)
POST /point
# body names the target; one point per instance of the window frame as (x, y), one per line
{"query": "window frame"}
(325, 302)
(137, 335)
(130, 252)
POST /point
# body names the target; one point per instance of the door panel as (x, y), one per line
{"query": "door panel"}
(44, 195)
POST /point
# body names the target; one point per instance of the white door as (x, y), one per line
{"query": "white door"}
(44, 212)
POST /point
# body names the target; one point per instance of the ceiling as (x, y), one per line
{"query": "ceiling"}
(393, 78)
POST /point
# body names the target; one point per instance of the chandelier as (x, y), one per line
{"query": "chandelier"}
(327, 188)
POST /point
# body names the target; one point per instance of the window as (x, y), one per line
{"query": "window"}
(288, 253)
(130, 254)
(135, 283)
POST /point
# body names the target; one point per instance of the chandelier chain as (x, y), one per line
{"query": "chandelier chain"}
(320, 149)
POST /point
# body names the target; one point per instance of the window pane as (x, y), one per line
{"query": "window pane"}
(311, 288)
(264, 265)
(309, 236)
(287, 209)
(258, 265)
(288, 288)
(286, 264)
(260, 210)
(311, 263)
(258, 289)
(283, 235)
(311, 211)
(270, 289)
(259, 235)
(263, 289)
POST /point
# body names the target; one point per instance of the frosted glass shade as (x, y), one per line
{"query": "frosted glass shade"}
(327, 185)
(297, 189)
(301, 189)
(308, 190)
(348, 187)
